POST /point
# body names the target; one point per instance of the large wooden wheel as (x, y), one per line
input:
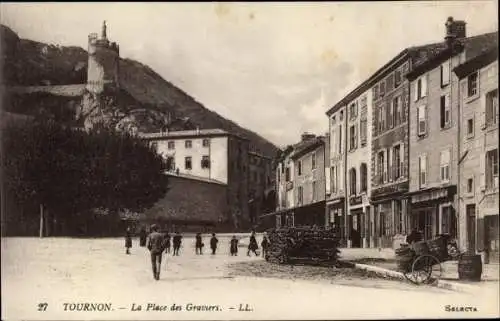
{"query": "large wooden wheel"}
(424, 270)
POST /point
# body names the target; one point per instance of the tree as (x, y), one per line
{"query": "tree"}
(71, 172)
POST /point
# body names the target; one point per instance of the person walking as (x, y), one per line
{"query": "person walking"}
(233, 249)
(253, 246)
(213, 243)
(143, 235)
(177, 241)
(156, 245)
(265, 246)
(167, 242)
(128, 240)
(199, 244)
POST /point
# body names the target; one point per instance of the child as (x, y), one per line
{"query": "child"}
(234, 246)
(199, 244)
(213, 243)
(265, 246)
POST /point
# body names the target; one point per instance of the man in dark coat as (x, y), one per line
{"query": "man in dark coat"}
(234, 246)
(128, 240)
(199, 244)
(167, 242)
(177, 241)
(253, 246)
(143, 235)
(265, 245)
(156, 246)
(213, 243)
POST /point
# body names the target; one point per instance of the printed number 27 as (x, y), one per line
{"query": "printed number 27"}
(42, 306)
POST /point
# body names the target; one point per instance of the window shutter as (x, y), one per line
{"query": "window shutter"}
(482, 171)
(402, 171)
(355, 136)
(424, 86)
(416, 90)
(327, 180)
(389, 167)
(442, 111)
(483, 112)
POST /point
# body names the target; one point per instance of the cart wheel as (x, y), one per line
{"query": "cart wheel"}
(425, 269)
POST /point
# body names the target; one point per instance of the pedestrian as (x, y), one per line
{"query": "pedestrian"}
(177, 241)
(143, 235)
(199, 244)
(233, 249)
(252, 246)
(128, 240)
(213, 243)
(156, 245)
(265, 246)
(167, 242)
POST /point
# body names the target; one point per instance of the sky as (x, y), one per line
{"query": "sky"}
(275, 68)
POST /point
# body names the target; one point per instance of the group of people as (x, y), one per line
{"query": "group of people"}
(158, 242)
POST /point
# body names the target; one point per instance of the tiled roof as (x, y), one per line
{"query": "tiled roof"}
(303, 146)
(476, 63)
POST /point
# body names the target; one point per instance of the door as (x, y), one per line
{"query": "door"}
(471, 227)
(368, 225)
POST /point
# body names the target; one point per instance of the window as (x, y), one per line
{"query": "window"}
(171, 145)
(363, 125)
(396, 162)
(422, 120)
(299, 167)
(382, 88)
(352, 137)
(333, 176)
(313, 161)
(472, 85)
(314, 193)
(382, 115)
(492, 169)
(470, 127)
(352, 181)
(300, 195)
(206, 142)
(188, 163)
(381, 167)
(287, 174)
(445, 111)
(390, 119)
(446, 219)
(188, 144)
(397, 78)
(445, 165)
(470, 185)
(420, 88)
(492, 108)
(445, 74)
(353, 111)
(340, 139)
(396, 112)
(205, 162)
(364, 177)
(422, 169)
(341, 115)
(390, 82)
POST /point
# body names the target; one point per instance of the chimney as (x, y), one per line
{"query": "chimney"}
(455, 29)
(307, 136)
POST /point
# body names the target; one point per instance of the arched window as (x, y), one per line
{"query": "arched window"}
(364, 177)
(352, 180)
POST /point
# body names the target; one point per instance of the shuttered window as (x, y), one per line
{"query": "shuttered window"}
(422, 120)
(445, 111)
(445, 74)
(422, 169)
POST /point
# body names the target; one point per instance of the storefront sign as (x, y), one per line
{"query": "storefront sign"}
(429, 196)
(395, 188)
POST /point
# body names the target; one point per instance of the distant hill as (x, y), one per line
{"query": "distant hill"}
(30, 63)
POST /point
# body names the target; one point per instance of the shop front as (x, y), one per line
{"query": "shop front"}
(359, 222)
(335, 217)
(307, 215)
(433, 212)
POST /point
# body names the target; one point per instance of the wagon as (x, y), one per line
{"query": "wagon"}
(421, 262)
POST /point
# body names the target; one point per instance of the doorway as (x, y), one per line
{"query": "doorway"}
(470, 211)
(424, 222)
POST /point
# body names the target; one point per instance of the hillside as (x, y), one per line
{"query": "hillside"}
(30, 63)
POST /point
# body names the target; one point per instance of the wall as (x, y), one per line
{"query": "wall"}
(482, 140)
(337, 157)
(238, 169)
(308, 175)
(217, 151)
(436, 139)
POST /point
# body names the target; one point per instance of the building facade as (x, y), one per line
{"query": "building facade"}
(335, 208)
(260, 180)
(358, 170)
(211, 155)
(285, 189)
(478, 163)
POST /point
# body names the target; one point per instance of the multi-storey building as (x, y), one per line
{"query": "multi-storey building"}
(358, 170)
(212, 155)
(336, 199)
(309, 181)
(259, 184)
(434, 132)
(478, 163)
(285, 189)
